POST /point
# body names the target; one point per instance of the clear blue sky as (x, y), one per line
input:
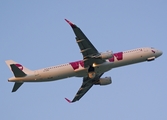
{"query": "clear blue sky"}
(35, 34)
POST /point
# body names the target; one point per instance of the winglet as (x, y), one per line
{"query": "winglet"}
(70, 23)
(68, 100)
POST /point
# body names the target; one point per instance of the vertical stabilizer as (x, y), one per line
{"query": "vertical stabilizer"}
(14, 64)
(17, 71)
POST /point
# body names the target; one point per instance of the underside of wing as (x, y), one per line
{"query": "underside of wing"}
(86, 47)
(81, 92)
(86, 85)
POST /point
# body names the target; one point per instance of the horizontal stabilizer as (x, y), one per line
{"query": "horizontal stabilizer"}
(16, 86)
(16, 71)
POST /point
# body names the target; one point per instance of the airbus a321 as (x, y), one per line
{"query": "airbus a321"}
(91, 68)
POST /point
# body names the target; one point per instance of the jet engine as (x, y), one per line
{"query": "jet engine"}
(106, 55)
(104, 81)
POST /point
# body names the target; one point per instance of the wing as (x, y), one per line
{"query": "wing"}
(86, 85)
(86, 47)
(82, 90)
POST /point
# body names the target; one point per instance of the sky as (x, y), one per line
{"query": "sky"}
(35, 34)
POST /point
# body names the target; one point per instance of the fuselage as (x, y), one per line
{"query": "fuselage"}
(77, 68)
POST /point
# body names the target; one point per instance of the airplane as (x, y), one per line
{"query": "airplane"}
(91, 68)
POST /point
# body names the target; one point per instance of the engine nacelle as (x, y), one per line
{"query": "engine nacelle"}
(106, 55)
(104, 81)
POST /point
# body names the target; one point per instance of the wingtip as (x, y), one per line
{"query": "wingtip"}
(70, 23)
(68, 100)
(13, 91)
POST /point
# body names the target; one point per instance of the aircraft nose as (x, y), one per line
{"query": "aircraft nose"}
(159, 53)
